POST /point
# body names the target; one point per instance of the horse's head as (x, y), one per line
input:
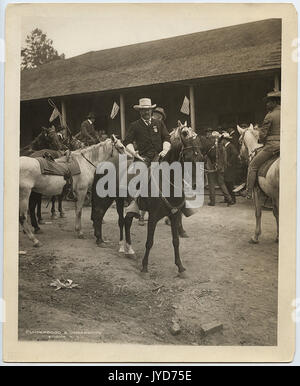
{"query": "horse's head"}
(190, 147)
(248, 140)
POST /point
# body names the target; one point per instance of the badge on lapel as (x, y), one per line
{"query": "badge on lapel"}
(155, 129)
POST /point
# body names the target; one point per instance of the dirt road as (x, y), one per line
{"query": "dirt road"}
(229, 282)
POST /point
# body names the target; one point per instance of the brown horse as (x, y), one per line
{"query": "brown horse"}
(266, 186)
(185, 149)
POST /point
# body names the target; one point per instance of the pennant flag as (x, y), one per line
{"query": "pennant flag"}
(115, 110)
(185, 108)
(54, 115)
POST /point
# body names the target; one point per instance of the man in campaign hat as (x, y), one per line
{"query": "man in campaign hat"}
(151, 137)
(159, 113)
(88, 134)
(269, 135)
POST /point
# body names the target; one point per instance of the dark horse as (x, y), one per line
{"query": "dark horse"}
(184, 149)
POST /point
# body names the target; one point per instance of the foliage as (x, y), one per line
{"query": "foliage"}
(39, 50)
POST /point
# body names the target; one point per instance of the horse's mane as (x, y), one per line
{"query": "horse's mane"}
(97, 152)
(255, 133)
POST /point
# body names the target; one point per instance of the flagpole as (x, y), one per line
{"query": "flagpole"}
(122, 115)
(192, 108)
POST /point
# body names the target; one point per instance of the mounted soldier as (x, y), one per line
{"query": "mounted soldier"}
(88, 134)
(151, 137)
(269, 135)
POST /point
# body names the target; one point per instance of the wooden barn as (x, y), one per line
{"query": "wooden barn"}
(224, 73)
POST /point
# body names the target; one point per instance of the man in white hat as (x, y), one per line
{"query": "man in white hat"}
(151, 137)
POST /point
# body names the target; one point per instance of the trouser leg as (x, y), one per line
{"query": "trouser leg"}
(230, 186)
(254, 165)
(223, 187)
(211, 187)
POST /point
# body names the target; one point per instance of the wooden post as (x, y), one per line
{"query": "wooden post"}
(276, 83)
(64, 116)
(192, 108)
(122, 115)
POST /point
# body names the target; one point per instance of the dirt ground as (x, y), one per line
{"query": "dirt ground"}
(229, 281)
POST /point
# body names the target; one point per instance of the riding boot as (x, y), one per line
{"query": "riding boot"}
(251, 179)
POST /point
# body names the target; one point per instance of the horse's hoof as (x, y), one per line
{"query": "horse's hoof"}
(54, 217)
(101, 244)
(183, 235)
(81, 236)
(122, 247)
(145, 275)
(37, 244)
(182, 275)
(38, 231)
(62, 215)
(253, 241)
(128, 250)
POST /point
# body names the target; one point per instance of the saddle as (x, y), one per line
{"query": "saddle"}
(65, 167)
(263, 170)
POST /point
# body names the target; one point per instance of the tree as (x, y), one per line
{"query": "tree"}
(38, 50)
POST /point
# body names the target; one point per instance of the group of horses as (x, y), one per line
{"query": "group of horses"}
(186, 146)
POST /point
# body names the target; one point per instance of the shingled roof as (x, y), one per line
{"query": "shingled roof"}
(231, 50)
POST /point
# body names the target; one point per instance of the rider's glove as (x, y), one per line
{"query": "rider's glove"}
(166, 148)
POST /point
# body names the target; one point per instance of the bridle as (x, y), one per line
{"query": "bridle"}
(251, 154)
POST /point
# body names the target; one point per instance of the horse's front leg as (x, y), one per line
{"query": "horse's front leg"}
(53, 213)
(23, 206)
(33, 202)
(39, 208)
(151, 226)
(276, 215)
(99, 208)
(127, 245)
(175, 219)
(60, 209)
(80, 194)
(121, 222)
(181, 230)
(257, 205)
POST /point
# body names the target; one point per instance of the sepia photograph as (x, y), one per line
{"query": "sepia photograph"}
(149, 164)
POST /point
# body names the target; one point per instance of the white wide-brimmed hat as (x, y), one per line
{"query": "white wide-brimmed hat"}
(144, 103)
(226, 135)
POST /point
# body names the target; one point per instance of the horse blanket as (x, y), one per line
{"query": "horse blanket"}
(59, 168)
(263, 170)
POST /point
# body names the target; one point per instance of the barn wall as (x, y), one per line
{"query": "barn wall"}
(219, 103)
(231, 102)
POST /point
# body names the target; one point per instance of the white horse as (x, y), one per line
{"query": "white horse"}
(31, 178)
(267, 186)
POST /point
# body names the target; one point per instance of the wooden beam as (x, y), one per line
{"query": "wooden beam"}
(192, 108)
(64, 116)
(122, 115)
(276, 83)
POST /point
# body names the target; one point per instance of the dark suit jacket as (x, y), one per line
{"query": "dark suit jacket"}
(232, 163)
(149, 139)
(87, 130)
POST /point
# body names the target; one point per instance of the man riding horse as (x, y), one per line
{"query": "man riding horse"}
(151, 137)
(269, 135)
